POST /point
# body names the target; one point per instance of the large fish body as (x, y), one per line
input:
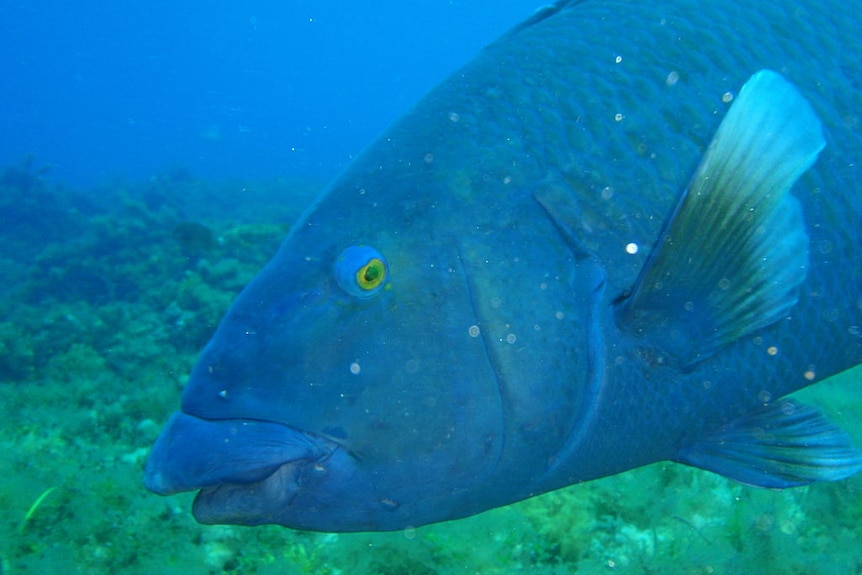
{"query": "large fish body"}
(511, 290)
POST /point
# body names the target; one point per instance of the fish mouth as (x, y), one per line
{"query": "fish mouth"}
(241, 454)
(254, 503)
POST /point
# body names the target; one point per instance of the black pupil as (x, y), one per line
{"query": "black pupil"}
(372, 272)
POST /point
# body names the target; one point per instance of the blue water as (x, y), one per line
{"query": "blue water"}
(164, 138)
(258, 89)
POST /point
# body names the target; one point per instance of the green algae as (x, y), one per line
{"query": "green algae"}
(103, 325)
(16, 353)
(32, 510)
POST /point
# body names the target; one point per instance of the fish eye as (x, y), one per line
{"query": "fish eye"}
(361, 271)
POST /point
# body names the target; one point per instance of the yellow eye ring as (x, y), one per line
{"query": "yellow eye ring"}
(361, 271)
(371, 275)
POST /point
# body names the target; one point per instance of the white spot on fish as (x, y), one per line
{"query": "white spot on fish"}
(354, 368)
(631, 248)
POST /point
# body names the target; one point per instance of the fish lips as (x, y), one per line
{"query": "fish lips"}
(298, 494)
(232, 460)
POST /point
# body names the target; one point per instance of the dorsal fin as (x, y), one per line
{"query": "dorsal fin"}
(541, 14)
(733, 254)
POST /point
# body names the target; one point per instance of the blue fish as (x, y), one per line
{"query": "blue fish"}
(622, 234)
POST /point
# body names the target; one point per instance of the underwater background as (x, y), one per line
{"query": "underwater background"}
(152, 158)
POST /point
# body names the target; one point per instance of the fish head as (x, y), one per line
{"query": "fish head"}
(346, 388)
(421, 348)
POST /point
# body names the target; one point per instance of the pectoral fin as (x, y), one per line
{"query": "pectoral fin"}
(782, 445)
(733, 254)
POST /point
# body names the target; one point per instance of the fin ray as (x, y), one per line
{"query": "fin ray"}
(781, 445)
(732, 256)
